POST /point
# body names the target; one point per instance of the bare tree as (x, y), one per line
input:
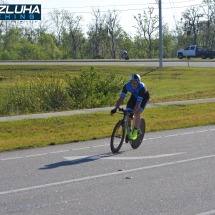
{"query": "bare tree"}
(42, 27)
(97, 32)
(147, 25)
(74, 27)
(191, 23)
(114, 30)
(58, 17)
(207, 26)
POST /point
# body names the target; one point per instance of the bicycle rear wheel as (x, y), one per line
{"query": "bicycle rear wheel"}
(117, 137)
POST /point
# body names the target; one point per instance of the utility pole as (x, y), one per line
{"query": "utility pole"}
(160, 36)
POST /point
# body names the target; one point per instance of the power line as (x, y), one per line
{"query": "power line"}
(138, 9)
(116, 5)
(174, 12)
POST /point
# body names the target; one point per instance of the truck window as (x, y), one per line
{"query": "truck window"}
(187, 48)
(192, 47)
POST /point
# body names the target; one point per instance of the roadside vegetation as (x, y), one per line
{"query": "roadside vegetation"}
(47, 88)
(32, 133)
(62, 35)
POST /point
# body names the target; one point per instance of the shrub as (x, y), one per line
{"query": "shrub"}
(50, 92)
(45, 93)
(91, 89)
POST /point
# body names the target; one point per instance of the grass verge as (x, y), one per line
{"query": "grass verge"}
(164, 84)
(59, 130)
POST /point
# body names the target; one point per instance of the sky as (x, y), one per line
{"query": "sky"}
(171, 9)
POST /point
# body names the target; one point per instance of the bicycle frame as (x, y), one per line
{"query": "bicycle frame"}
(129, 132)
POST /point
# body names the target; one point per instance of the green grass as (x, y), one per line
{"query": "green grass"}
(164, 84)
(32, 133)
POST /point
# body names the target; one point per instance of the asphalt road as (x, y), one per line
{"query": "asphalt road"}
(125, 63)
(171, 173)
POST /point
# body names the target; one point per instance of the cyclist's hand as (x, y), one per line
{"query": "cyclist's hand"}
(131, 116)
(113, 111)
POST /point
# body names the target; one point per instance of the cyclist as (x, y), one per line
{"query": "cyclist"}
(124, 53)
(137, 102)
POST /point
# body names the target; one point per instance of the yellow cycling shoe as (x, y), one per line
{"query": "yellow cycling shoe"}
(134, 135)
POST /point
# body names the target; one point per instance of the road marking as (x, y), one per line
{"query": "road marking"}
(105, 175)
(29, 206)
(113, 157)
(82, 148)
(59, 151)
(101, 145)
(173, 135)
(27, 156)
(187, 133)
(207, 213)
(5, 159)
(201, 131)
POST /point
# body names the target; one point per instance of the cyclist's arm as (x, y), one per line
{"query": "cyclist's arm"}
(136, 108)
(122, 96)
(119, 102)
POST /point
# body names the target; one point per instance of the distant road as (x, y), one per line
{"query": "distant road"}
(125, 63)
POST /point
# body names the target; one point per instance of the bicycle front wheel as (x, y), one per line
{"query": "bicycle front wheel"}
(117, 137)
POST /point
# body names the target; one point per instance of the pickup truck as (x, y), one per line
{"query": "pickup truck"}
(195, 51)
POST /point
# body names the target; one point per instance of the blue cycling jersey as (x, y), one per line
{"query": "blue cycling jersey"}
(139, 92)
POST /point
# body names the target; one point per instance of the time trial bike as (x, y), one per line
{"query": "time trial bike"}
(119, 131)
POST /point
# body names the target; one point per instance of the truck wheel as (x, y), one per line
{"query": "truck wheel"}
(203, 56)
(180, 56)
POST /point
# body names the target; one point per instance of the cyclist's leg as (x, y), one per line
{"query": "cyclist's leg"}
(139, 112)
(144, 102)
(138, 116)
(130, 106)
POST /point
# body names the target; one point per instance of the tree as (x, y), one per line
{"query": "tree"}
(126, 43)
(98, 34)
(114, 30)
(74, 32)
(191, 23)
(58, 17)
(147, 25)
(207, 27)
(167, 42)
(49, 50)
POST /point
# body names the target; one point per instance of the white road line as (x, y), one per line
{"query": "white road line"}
(101, 145)
(59, 151)
(105, 175)
(173, 135)
(207, 213)
(35, 155)
(113, 157)
(29, 206)
(4, 159)
(81, 148)
(153, 138)
(187, 133)
(201, 131)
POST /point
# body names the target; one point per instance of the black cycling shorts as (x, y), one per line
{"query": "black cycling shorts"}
(133, 100)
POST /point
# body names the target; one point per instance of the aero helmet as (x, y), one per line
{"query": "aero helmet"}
(135, 78)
